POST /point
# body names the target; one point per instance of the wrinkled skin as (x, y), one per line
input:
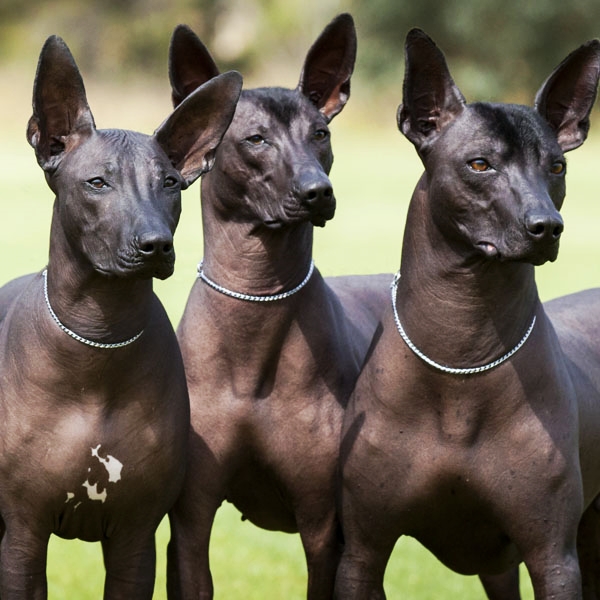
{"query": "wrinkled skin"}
(93, 440)
(494, 468)
(268, 381)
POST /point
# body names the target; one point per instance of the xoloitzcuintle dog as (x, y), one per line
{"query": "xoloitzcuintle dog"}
(474, 423)
(271, 352)
(94, 408)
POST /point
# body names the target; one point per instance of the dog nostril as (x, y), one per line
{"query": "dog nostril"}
(556, 233)
(154, 247)
(320, 194)
(538, 230)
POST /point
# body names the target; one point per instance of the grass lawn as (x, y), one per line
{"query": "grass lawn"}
(374, 174)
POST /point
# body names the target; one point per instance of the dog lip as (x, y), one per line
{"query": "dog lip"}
(549, 254)
(320, 220)
(134, 266)
(488, 249)
(273, 223)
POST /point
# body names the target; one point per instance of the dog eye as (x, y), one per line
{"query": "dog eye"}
(170, 181)
(320, 135)
(558, 167)
(97, 183)
(255, 139)
(479, 165)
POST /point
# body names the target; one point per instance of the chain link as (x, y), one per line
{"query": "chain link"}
(250, 298)
(76, 336)
(444, 368)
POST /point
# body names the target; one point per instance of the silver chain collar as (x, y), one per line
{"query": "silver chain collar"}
(444, 368)
(74, 335)
(249, 297)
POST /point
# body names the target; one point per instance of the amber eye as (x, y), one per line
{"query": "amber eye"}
(255, 139)
(97, 183)
(558, 168)
(479, 165)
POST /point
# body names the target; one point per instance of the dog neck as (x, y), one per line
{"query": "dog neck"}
(95, 306)
(254, 259)
(459, 308)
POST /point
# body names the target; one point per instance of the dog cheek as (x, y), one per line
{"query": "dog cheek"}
(451, 212)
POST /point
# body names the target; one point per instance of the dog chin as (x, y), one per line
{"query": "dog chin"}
(319, 221)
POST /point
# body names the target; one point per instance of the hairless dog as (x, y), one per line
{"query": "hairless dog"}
(93, 402)
(271, 352)
(474, 424)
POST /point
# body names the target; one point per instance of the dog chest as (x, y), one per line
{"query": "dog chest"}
(93, 454)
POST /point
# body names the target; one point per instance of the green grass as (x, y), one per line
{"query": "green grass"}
(374, 174)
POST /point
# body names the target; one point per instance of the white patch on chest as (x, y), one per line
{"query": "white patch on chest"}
(113, 468)
(111, 464)
(93, 493)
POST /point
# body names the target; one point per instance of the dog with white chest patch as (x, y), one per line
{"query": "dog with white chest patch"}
(94, 408)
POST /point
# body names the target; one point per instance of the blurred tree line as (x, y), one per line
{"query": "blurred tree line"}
(496, 50)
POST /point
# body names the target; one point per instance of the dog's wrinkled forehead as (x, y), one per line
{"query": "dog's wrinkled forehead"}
(116, 155)
(280, 105)
(122, 142)
(511, 128)
(121, 148)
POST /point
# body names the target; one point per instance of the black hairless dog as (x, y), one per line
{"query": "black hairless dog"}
(475, 422)
(271, 352)
(94, 409)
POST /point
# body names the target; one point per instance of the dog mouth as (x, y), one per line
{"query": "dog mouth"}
(319, 221)
(143, 268)
(320, 218)
(273, 223)
(543, 255)
(316, 218)
(488, 249)
(535, 255)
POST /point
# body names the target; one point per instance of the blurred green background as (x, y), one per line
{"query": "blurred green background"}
(500, 53)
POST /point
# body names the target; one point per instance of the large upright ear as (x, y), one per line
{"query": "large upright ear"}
(194, 130)
(566, 98)
(431, 99)
(325, 77)
(61, 116)
(190, 64)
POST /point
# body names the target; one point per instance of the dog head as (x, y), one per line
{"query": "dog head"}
(118, 192)
(272, 167)
(496, 172)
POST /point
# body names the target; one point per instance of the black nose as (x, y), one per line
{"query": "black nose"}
(314, 189)
(155, 245)
(317, 194)
(544, 227)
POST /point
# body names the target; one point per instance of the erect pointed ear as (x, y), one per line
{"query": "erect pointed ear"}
(431, 99)
(325, 77)
(566, 98)
(193, 131)
(190, 64)
(61, 116)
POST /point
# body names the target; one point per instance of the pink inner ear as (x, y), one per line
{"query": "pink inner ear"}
(336, 101)
(570, 137)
